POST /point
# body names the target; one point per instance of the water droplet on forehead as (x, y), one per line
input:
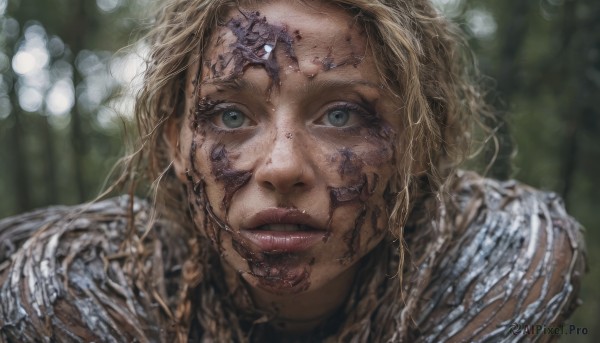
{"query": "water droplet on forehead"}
(268, 48)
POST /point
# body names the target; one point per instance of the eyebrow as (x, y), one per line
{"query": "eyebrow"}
(235, 84)
(313, 85)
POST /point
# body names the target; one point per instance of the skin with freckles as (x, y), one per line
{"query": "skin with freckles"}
(289, 116)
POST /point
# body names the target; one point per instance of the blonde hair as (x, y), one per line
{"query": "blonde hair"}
(419, 58)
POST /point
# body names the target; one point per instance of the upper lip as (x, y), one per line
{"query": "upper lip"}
(281, 215)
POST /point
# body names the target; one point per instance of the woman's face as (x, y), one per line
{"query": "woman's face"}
(288, 145)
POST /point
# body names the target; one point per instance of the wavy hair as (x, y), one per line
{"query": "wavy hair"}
(421, 58)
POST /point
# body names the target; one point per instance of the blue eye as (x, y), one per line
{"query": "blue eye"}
(233, 119)
(338, 117)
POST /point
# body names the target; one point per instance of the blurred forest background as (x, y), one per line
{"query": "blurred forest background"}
(66, 90)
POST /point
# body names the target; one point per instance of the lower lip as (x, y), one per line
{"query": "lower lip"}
(283, 241)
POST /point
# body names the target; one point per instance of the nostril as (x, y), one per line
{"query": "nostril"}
(268, 185)
(281, 187)
(299, 184)
(281, 180)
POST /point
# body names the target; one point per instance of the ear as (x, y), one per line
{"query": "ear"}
(171, 136)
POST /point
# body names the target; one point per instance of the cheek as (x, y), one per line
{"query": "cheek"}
(202, 171)
(209, 160)
(358, 212)
(358, 216)
(232, 179)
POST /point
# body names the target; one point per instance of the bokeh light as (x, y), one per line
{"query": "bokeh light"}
(30, 99)
(449, 8)
(108, 5)
(3, 4)
(481, 23)
(60, 98)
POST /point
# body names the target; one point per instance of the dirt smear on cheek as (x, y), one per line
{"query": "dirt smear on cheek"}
(231, 178)
(201, 209)
(221, 168)
(357, 193)
(210, 224)
(352, 237)
(360, 187)
(375, 214)
(256, 41)
(382, 136)
(380, 133)
(350, 165)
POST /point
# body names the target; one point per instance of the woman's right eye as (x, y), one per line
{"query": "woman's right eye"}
(233, 119)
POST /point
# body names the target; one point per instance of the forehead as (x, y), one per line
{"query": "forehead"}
(307, 36)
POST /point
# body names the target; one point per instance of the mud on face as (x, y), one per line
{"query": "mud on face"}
(255, 44)
(275, 271)
(358, 172)
(248, 40)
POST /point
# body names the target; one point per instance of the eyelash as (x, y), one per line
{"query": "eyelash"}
(362, 111)
(211, 114)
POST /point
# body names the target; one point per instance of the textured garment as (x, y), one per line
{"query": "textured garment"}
(519, 261)
(67, 273)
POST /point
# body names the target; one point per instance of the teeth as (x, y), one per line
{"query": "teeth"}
(284, 227)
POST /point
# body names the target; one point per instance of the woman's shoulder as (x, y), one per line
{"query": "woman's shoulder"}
(85, 273)
(515, 261)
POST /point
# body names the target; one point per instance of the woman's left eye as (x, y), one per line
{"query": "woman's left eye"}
(338, 117)
(343, 115)
(233, 119)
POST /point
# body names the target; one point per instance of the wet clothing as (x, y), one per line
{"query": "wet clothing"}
(89, 274)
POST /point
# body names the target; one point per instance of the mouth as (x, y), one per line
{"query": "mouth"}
(283, 230)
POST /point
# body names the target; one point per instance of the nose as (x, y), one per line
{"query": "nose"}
(286, 167)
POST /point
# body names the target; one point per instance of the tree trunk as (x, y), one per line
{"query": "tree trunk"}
(75, 35)
(22, 189)
(507, 76)
(49, 162)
